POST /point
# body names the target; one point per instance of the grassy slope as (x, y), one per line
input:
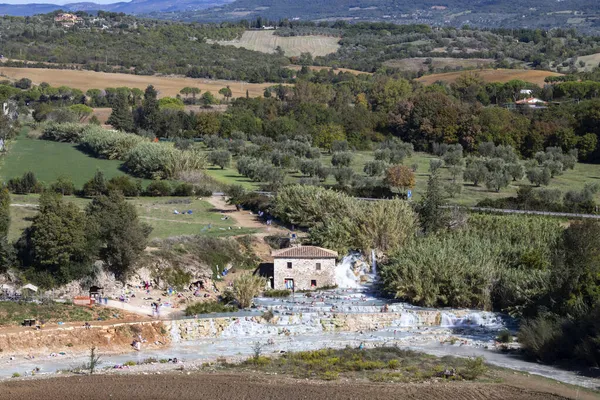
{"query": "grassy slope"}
(12, 313)
(50, 160)
(157, 212)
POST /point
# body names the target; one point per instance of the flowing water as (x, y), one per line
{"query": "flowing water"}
(348, 316)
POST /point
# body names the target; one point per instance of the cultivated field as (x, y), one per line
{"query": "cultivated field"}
(267, 42)
(166, 85)
(217, 386)
(418, 63)
(494, 75)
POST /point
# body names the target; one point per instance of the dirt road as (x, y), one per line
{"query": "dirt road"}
(216, 386)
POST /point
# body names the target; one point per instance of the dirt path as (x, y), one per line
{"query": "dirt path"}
(245, 219)
(185, 385)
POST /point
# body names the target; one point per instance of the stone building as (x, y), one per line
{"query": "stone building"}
(303, 268)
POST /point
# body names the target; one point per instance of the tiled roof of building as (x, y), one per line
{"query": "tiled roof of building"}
(304, 252)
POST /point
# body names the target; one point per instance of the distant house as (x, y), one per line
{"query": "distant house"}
(269, 28)
(531, 102)
(303, 268)
(67, 20)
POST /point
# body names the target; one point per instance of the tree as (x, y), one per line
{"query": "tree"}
(374, 168)
(400, 177)
(221, 158)
(247, 287)
(226, 92)
(81, 111)
(431, 215)
(23, 83)
(63, 185)
(387, 92)
(341, 159)
(4, 212)
(497, 179)
(116, 230)
(539, 176)
(516, 171)
(475, 172)
(435, 164)
(121, 117)
(326, 135)
(194, 91)
(56, 240)
(186, 91)
(343, 175)
(208, 98)
(95, 186)
(149, 118)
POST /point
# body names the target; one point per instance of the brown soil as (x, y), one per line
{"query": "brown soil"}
(493, 75)
(166, 85)
(182, 386)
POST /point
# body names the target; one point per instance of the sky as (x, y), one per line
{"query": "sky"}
(57, 1)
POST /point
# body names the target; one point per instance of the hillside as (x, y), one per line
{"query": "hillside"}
(580, 14)
(132, 7)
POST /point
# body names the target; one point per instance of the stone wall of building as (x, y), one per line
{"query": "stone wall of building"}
(303, 271)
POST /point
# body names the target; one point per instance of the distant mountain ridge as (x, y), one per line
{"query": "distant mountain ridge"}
(132, 7)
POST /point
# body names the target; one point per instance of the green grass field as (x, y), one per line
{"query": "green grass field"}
(158, 212)
(12, 313)
(50, 160)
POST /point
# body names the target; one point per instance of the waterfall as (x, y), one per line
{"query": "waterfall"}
(345, 275)
(373, 264)
(408, 319)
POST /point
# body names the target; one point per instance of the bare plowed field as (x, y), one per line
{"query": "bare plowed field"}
(267, 42)
(182, 386)
(166, 85)
(494, 75)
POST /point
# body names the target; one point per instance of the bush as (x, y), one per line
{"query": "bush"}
(184, 190)
(28, 183)
(473, 369)
(246, 287)
(158, 189)
(95, 186)
(64, 186)
(109, 144)
(208, 307)
(64, 132)
(375, 168)
(162, 160)
(504, 336)
(126, 185)
(277, 293)
(341, 159)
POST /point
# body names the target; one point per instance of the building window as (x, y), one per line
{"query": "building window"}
(318, 266)
(313, 283)
(289, 265)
